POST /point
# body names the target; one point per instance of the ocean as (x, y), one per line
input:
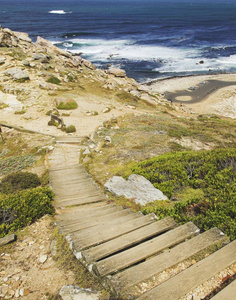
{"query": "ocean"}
(150, 39)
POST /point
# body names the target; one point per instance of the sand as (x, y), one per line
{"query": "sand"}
(222, 101)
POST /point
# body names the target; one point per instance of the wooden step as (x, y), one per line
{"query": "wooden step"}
(87, 223)
(69, 175)
(186, 281)
(77, 201)
(76, 196)
(90, 188)
(70, 139)
(71, 180)
(73, 217)
(128, 240)
(144, 271)
(67, 167)
(145, 250)
(228, 293)
(88, 238)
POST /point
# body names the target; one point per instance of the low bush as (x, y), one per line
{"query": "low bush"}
(69, 129)
(67, 105)
(3, 105)
(210, 177)
(16, 163)
(54, 80)
(19, 181)
(22, 208)
(20, 112)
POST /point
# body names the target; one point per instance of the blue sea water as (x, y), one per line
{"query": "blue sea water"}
(150, 39)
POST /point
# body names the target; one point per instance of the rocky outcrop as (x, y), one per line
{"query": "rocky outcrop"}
(136, 187)
(18, 74)
(23, 36)
(50, 47)
(41, 57)
(88, 64)
(9, 38)
(116, 72)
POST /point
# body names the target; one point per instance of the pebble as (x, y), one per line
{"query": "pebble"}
(24, 292)
(43, 259)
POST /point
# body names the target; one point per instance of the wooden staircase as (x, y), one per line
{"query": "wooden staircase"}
(123, 248)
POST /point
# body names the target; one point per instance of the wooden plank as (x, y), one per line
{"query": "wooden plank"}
(70, 140)
(143, 271)
(228, 293)
(77, 201)
(72, 174)
(128, 240)
(87, 223)
(76, 191)
(69, 197)
(109, 223)
(63, 199)
(72, 217)
(7, 239)
(186, 281)
(67, 167)
(70, 190)
(75, 180)
(138, 253)
(101, 234)
(70, 181)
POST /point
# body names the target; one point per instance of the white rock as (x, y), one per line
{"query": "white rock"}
(87, 151)
(70, 292)
(117, 72)
(43, 258)
(136, 187)
(107, 139)
(24, 292)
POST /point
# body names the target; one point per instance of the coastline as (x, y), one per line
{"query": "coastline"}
(219, 99)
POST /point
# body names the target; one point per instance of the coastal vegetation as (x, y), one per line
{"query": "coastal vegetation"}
(207, 178)
(67, 105)
(24, 195)
(191, 160)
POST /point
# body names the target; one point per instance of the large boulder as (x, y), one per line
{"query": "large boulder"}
(7, 39)
(23, 36)
(136, 187)
(18, 74)
(88, 64)
(46, 44)
(116, 72)
(41, 57)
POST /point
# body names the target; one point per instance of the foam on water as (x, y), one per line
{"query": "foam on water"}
(98, 49)
(60, 12)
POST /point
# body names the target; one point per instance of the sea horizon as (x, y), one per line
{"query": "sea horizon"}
(151, 40)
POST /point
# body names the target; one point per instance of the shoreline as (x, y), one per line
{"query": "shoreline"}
(214, 94)
(152, 82)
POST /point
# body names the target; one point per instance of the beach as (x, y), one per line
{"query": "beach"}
(205, 94)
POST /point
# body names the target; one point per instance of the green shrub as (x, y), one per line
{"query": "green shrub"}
(67, 105)
(54, 112)
(210, 177)
(19, 181)
(53, 123)
(3, 105)
(23, 208)
(20, 112)
(15, 163)
(54, 80)
(69, 129)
